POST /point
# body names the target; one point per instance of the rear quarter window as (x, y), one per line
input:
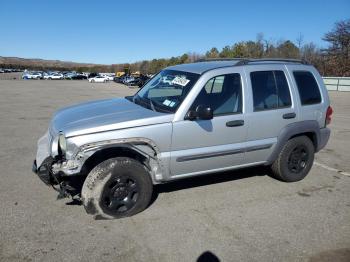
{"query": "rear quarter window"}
(308, 88)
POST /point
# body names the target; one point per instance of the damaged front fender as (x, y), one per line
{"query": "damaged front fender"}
(142, 146)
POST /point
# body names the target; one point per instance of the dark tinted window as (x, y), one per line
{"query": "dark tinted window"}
(270, 90)
(223, 94)
(308, 89)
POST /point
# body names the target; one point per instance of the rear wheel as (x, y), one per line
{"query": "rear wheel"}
(118, 187)
(295, 160)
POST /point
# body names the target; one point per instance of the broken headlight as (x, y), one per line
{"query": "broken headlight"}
(62, 144)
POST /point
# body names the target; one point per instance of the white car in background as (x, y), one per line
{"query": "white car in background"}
(98, 79)
(32, 75)
(54, 76)
(109, 77)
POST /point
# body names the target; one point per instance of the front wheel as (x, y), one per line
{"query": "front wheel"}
(118, 187)
(295, 160)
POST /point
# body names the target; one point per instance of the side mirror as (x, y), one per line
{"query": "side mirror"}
(204, 113)
(191, 115)
(201, 112)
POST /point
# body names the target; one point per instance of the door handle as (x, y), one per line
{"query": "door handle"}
(289, 116)
(235, 123)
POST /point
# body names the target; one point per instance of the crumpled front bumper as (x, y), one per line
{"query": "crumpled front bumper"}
(44, 171)
(43, 149)
(63, 185)
(55, 171)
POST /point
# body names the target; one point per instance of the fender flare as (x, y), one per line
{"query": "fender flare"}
(293, 129)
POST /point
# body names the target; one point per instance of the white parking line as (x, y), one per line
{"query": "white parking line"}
(332, 169)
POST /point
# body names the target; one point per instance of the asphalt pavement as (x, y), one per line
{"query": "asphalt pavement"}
(235, 216)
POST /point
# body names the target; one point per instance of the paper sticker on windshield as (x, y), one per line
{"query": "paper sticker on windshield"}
(181, 81)
(166, 102)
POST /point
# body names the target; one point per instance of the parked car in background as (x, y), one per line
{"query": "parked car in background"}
(91, 75)
(118, 79)
(133, 82)
(142, 80)
(78, 77)
(55, 76)
(69, 75)
(98, 79)
(138, 81)
(128, 79)
(109, 77)
(32, 75)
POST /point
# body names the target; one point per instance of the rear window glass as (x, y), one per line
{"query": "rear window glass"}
(308, 88)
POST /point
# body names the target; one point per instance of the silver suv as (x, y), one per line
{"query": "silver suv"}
(188, 120)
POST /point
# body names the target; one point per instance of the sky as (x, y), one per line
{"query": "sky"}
(109, 32)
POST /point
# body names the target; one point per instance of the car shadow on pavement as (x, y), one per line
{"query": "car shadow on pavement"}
(210, 179)
(208, 256)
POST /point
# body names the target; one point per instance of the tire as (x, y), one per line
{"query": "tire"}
(92, 81)
(118, 187)
(295, 160)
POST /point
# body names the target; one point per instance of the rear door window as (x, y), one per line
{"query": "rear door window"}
(308, 88)
(270, 90)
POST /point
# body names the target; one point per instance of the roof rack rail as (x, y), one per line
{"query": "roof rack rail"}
(218, 59)
(290, 60)
(245, 61)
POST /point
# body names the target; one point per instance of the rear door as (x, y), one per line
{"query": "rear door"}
(271, 107)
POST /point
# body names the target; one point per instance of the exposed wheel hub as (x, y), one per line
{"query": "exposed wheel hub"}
(120, 195)
(298, 159)
(120, 192)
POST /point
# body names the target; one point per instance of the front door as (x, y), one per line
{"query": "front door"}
(202, 146)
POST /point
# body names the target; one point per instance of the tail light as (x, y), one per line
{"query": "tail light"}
(329, 115)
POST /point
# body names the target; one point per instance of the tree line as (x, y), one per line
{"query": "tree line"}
(331, 61)
(334, 60)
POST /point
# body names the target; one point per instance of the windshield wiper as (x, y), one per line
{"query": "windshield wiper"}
(144, 102)
(152, 106)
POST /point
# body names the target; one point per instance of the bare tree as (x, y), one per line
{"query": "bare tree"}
(338, 51)
(300, 40)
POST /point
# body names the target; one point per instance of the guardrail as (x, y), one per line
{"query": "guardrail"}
(337, 83)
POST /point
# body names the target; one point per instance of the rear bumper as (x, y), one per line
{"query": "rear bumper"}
(323, 138)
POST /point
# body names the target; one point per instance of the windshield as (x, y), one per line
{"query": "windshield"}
(166, 91)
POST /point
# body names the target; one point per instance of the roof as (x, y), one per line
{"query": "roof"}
(202, 67)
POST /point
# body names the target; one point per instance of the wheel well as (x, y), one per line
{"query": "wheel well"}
(311, 135)
(104, 154)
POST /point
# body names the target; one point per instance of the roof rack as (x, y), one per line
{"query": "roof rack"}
(289, 60)
(245, 61)
(218, 59)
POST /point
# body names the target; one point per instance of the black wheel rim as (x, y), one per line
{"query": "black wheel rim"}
(298, 159)
(120, 195)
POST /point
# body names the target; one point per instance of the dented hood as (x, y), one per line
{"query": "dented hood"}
(104, 115)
